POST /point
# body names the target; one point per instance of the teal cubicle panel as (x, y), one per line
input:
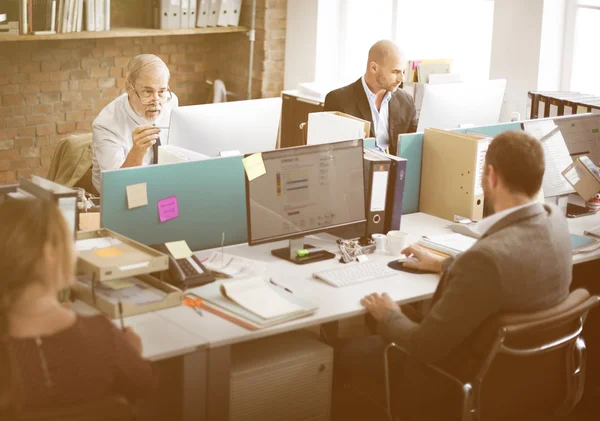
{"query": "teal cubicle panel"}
(411, 148)
(211, 196)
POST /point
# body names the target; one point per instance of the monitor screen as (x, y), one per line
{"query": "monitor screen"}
(305, 190)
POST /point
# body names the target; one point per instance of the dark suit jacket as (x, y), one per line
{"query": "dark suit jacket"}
(352, 100)
(522, 264)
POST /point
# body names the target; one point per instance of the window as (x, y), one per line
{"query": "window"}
(457, 29)
(584, 73)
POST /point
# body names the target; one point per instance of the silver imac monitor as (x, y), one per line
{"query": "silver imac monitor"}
(242, 126)
(306, 190)
(454, 105)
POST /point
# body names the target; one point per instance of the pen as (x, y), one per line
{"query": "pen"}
(121, 315)
(306, 252)
(280, 286)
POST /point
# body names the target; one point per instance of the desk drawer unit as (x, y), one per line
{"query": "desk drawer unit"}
(282, 378)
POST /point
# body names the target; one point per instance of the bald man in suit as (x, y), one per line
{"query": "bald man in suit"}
(375, 97)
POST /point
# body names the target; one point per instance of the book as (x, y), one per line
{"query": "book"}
(582, 244)
(289, 307)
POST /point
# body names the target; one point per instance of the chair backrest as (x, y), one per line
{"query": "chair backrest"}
(114, 408)
(536, 362)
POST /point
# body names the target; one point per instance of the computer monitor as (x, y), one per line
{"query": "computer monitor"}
(244, 126)
(306, 190)
(452, 105)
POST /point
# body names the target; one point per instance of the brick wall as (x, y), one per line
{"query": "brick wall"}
(49, 89)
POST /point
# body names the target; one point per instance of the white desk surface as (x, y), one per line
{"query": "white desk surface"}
(334, 303)
(161, 337)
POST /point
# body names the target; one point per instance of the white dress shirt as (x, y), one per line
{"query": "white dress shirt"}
(112, 130)
(380, 118)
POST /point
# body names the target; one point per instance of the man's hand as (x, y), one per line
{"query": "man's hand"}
(144, 137)
(378, 305)
(424, 260)
(134, 339)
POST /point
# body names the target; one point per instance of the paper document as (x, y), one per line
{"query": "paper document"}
(482, 148)
(556, 155)
(379, 190)
(256, 296)
(96, 243)
(137, 292)
(327, 127)
(582, 136)
(234, 266)
(108, 252)
(451, 243)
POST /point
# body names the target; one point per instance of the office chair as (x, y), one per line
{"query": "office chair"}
(114, 408)
(510, 348)
(71, 163)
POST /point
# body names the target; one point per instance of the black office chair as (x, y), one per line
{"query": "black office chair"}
(521, 348)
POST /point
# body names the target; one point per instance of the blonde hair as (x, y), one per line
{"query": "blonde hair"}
(143, 63)
(27, 228)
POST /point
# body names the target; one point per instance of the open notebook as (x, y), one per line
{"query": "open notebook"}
(253, 302)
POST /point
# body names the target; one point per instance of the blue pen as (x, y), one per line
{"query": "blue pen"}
(280, 286)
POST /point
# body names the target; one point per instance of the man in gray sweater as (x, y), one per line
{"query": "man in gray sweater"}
(522, 263)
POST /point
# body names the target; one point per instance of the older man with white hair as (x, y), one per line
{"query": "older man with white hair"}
(127, 131)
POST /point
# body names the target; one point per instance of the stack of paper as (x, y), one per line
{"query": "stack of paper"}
(234, 266)
(451, 244)
(253, 302)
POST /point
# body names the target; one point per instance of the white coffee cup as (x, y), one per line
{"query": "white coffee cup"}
(396, 242)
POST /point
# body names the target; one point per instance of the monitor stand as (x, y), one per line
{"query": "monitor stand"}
(289, 253)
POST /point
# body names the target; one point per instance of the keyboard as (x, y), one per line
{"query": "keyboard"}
(355, 273)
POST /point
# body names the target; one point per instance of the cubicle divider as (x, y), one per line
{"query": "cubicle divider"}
(411, 148)
(211, 200)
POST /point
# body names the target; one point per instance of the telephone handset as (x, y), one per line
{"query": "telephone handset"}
(186, 272)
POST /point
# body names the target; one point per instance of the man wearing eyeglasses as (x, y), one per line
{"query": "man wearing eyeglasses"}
(128, 131)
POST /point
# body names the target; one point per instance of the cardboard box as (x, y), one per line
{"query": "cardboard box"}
(584, 176)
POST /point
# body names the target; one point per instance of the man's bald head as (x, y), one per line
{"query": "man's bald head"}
(384, 51)
(385, 68)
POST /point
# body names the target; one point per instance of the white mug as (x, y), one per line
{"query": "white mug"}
(396, 242)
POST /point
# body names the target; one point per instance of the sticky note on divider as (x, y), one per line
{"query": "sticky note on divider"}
(179, 249)
(137, 195)
(168, 209)
(254, 166)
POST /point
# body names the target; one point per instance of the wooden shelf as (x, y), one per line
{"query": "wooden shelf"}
(125, 33)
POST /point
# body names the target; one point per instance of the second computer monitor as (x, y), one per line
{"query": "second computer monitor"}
(306, 190)
(244, 126)
(452, 105)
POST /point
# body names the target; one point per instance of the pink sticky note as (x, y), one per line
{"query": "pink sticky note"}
(168, 208)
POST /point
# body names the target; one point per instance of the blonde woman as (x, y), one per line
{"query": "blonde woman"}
(49, 356)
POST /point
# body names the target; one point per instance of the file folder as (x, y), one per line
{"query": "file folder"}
(223, 19)
(451, 174)
(165, 7)
(202, 13)
(235, 8)
(174, 9)
(213, 12)
(184, 13)
(376, 172)
(395, 192)
(192, 14)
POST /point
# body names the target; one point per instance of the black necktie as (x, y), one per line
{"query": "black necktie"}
(155, 150)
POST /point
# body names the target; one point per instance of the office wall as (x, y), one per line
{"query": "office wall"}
(49, 89)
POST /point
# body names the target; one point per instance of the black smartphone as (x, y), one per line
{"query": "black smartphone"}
(575, 211)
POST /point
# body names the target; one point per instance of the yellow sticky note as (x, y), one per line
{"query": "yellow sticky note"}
(254, 165)
(117, 284)
(137, 195)
(179, 249)
(108, 252)
(89, 221)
